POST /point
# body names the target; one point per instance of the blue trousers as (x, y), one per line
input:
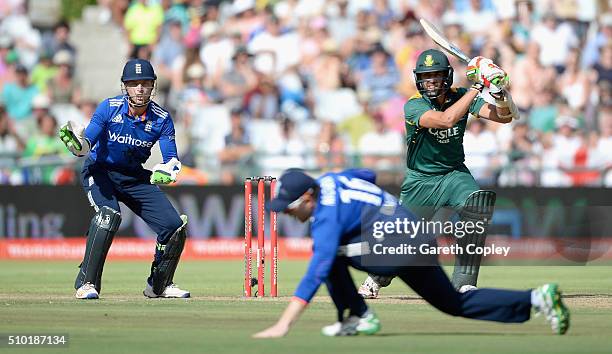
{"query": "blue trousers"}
(431, 283)
(107, 188)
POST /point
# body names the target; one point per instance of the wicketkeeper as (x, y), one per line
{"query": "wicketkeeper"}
(343, 209)
(436, 176)
(118, 140)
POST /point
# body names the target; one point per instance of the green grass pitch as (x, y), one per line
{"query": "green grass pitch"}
(38, 297)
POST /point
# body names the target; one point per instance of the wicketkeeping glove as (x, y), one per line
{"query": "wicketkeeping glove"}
(72, 135)
(166, 173)
(483, 70)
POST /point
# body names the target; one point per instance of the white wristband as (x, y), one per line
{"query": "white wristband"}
(508, 103)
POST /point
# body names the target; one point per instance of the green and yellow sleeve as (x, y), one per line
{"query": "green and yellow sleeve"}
(414, 109)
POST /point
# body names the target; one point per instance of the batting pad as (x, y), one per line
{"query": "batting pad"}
(479, 208)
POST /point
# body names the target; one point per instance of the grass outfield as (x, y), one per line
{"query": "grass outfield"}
(38, 297)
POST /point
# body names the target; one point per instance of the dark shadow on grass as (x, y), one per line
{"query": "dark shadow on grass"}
(579, 296)
(410, 334)
(469, 334)
(402, 297)
(415, 297)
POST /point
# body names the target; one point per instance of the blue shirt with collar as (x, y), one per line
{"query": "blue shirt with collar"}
(122, 142)
(344, 199)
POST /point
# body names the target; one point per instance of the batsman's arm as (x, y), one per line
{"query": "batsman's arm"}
(499, 108)
(449, 117)
(493, 113)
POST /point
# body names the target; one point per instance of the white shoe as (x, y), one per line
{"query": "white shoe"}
(466, 288)
(348, 327)
(353, 325)
(371, 286)
(549, 302)
(86, 291)
(171, 291)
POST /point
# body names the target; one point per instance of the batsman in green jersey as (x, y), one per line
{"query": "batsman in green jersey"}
(436, 176)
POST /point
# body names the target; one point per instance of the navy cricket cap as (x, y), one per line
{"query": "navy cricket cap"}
(138, 69)
(290, 186)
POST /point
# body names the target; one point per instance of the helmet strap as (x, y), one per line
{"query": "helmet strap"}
(432, 95)
(131, 101)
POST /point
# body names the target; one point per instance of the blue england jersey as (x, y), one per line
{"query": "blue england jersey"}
(343, 201)
(123, 143)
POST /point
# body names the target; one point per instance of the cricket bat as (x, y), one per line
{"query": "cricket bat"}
(448, 46)
(440, 40)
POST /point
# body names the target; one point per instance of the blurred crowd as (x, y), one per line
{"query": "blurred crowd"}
(256, 86)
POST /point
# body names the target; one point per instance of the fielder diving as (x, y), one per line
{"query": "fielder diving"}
(118, 140)
(342, 208)
(436, 176)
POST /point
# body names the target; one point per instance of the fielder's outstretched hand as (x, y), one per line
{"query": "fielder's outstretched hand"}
(484, 71)
(276, 331)
(282, 326)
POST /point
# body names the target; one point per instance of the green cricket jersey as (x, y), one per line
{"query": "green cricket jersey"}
(432, 150)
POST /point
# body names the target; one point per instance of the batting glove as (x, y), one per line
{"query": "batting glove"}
(483, 70)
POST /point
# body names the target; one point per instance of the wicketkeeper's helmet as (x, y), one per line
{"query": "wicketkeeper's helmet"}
(433, 60)
(138, 69)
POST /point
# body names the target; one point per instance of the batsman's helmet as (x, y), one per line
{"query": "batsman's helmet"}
(135, 70)
(429, 61)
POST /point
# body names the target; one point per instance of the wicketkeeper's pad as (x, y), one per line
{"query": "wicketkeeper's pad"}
(163, 271)
(102, 229)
